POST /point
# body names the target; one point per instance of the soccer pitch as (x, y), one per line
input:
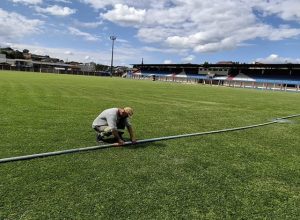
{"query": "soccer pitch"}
(248, 174)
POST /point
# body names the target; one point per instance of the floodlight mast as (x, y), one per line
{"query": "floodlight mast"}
(113, 38)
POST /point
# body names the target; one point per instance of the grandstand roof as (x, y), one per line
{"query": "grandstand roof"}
(223, 65)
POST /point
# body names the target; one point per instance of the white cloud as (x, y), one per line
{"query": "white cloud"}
(209, 27)
(14, 26)
(98, 4)
(84, 35)
(285, 9)
(177, 26)
(56, 10)
(125, 15)
(165, 50)
(28, 2)
(202, 26)
(274, 58)
(188, 59)
(88, 24)
(102, 4)
(60, 53)
(68, 52)
(123, 55)
(167, 62)
(123, 41)
(63, 1)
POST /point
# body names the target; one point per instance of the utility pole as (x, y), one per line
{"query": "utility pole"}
(113, 38)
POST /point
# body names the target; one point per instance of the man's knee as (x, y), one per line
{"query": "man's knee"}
(103, 129)
(106, 129)
(97, 128)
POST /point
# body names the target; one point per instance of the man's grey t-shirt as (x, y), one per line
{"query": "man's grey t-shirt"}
(109, 117)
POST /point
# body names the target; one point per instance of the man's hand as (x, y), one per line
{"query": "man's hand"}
(131, 133)
(120, 142)
(133, 141)
(118, 138)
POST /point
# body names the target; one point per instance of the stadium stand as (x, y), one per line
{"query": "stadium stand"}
(262, 76)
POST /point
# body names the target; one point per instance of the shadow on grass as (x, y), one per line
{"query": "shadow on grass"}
(134, 146)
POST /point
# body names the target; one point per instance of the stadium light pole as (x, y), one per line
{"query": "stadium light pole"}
(113, 38)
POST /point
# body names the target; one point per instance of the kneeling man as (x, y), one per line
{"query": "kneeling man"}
(112, 121)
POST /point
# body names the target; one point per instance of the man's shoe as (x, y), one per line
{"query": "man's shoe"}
(99, 137)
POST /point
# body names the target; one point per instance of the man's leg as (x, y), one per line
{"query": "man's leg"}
(102, 132)
(105, 133)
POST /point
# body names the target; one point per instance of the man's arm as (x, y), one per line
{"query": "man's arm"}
(131, 133)
(117, 136)
(112, 122)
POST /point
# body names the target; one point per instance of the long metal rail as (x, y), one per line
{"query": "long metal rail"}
(69, 151)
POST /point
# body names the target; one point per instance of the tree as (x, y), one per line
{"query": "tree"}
(205, 64)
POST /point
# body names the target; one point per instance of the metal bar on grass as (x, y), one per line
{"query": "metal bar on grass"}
(76, 150)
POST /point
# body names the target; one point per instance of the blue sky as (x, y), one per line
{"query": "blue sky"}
(159, 31)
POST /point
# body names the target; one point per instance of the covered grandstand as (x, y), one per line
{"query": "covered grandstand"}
(260, 76)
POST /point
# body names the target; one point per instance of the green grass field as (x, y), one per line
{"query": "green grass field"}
(249, 174)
